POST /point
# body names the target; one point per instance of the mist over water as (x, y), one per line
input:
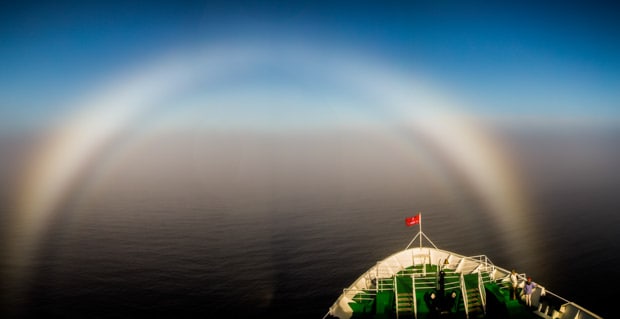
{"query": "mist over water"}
(227, 224)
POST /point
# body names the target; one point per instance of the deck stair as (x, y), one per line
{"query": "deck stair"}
(474, 304)
(405, 303)
(404, 296)
(475, 296)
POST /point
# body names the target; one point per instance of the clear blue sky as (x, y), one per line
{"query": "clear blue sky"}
(525, 58)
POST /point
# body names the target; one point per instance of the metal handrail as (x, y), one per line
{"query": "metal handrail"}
(464, 295)
(352, 293)
(414, 298)
(396, 296)
(483, 296)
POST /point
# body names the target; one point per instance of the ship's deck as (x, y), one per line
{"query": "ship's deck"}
(393, 297)
(471, 287)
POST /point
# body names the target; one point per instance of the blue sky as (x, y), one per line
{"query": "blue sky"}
(512, 59)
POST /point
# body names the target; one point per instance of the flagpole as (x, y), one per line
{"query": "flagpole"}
(420, 223)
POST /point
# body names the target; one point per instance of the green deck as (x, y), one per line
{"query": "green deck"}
(382, 302)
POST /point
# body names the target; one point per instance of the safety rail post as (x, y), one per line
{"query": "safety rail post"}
(414, 297)
(377, 277)
(396, 295)
(464, 295)
(483, 296)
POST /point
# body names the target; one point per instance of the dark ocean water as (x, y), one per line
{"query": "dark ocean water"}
(197, 254)
(291, 263)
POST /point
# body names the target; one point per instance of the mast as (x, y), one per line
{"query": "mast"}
(417, 220)
(420, 224)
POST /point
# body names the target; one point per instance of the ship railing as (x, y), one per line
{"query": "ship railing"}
(473, 264)
(371, 279)
(553, 305)
(425, 282)
(452, 286)
(573, 310)
(450, 265)
(387, 268)
(556, 306)
(415, 272)
(359, 295)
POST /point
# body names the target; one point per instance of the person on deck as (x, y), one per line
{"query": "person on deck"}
(514, 282)
(432, 302)
(528, 288)
(448, 306)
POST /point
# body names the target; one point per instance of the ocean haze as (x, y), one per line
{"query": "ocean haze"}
(239, 223)
(263, 164)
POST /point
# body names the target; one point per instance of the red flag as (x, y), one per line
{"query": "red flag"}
(413, 220)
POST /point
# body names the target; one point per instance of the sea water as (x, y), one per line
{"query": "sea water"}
(183, 252)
